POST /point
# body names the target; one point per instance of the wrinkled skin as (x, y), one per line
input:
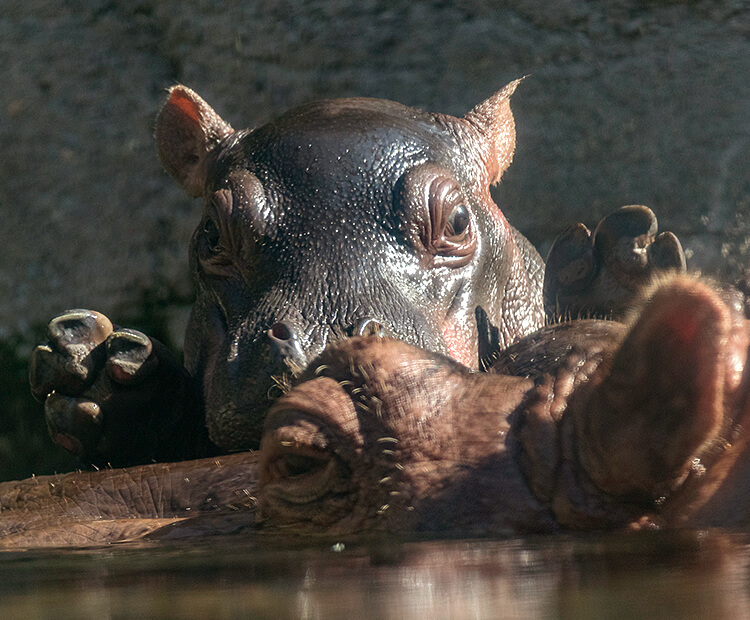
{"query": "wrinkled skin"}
(340, 218)
(101, 506)
(625, 426)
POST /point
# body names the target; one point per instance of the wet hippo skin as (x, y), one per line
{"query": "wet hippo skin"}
(340, 218)
(102, 506)
(629, 426)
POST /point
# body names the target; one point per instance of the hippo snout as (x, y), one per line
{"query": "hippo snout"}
(255, 362)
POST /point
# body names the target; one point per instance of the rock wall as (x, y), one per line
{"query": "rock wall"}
(626, 101)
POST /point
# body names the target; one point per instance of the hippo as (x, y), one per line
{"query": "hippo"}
(341, 217)
(585, 425)
(628, 425)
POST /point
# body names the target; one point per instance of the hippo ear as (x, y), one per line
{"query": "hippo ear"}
(660, 403)
(495, 123)
(187, 131)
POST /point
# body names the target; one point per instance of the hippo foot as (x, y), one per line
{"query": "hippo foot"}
(598, 274)
(112, 396)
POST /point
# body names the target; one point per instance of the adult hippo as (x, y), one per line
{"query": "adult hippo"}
(588, 425)
(341, 217)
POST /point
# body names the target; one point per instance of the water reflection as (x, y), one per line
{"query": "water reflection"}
(613, 576)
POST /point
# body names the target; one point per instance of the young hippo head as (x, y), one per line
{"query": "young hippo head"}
(627, 427)
(339, 217)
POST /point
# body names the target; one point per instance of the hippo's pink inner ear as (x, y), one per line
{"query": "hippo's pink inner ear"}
(661, 403)
(187, 130)
(494, 120)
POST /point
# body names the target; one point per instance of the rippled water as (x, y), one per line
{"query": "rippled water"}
(614, 576)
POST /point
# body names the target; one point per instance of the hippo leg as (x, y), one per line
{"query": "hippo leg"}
(113, 396)
(100, 507)
(597, 274)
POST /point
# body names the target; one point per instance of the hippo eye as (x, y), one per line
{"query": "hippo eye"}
(299, 475)
(295, 465)
(458, 223)
(213, 236)
(452, 237)
(438, 217)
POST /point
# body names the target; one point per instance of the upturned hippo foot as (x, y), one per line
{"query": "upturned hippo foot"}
(112, 396)
(597, 274)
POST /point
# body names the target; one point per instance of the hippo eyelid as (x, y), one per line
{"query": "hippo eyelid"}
(212, 244)
(432, 201)
(444, 198)
(251, 202)
(212, 235)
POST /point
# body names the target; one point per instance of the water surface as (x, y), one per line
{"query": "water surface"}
(645, 575)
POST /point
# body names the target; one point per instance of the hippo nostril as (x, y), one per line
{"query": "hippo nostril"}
(281, 331)
(285, 343)
(369, 327)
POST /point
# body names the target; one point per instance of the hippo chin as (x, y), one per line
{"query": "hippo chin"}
(625, 425)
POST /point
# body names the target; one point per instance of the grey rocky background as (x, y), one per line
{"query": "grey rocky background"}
(626, 102)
